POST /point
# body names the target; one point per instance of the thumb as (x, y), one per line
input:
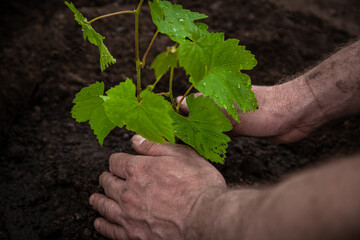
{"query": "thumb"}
(144, 147)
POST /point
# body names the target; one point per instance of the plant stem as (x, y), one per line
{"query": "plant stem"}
(111, 14)
(171, 87)
(138, 63)
(153, 86)
(148, 49)
(182, 99)
(165, 94)
(138, 81)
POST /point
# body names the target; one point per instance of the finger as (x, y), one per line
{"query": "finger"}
(124, 165)
(109, 229)
(107, 207)
(112, 185)
(144, 147)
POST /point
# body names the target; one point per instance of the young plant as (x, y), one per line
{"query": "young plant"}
(212, 63)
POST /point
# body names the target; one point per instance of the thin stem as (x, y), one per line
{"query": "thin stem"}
(138, 9)
(153, 86)
(137, 36)
(138, 81)
(148, 49)
(138, 63)
(165, 94)
(171, 87)
(182, 99)
(111, 14)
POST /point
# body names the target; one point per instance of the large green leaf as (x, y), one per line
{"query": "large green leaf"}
(174, 21)
(148, 117)
(203, 128)
(93, 37)
(215, 65)
(89, 107)
(195, 57)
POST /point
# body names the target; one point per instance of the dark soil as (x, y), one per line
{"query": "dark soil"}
(50, 164)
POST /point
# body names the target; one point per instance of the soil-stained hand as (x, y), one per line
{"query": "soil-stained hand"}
(286, 113)
(149, 196)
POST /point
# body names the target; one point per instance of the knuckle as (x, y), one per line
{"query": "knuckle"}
(127, 198)
(132, 167)
(118, 234)
(152, 149)
(109, 208)
(103, 228)
(102, 205)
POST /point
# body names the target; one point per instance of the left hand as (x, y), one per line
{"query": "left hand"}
(149, 196)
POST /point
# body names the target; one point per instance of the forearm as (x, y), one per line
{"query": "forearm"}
(335, 83)
(221, 214)
(321, 203)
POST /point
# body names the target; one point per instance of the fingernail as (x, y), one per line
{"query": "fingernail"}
(97, 224)
(137, 139)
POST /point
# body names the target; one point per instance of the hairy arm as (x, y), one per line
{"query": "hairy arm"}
(335, 83)
(322, 203)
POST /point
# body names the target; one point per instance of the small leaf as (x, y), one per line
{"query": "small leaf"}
(204, 127)
(163, 62)
(215, 68)
(89, 107)
(149, 117)
(93, 37)
(174, 21)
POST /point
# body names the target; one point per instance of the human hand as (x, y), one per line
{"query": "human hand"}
(149, 196)
(286, 113)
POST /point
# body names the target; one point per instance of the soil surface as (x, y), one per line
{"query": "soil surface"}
(49, 164)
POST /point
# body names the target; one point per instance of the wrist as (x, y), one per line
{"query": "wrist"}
(195, 224)
(298, 105)
(222, 214)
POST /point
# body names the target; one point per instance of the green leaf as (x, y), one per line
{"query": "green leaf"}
(93, 37)
(163, 62)
(195, 56)
(174, 21)
(215, 68)
(89, 107)
(149, 117)
(204, 127)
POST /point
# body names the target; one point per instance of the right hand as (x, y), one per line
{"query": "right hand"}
(286, 113)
